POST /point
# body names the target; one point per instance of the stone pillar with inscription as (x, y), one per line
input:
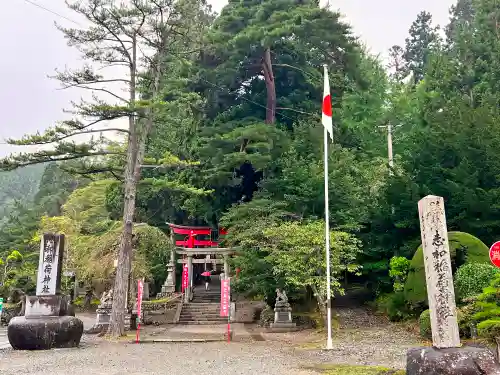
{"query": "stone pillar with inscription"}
(49, 320)
(446, 356)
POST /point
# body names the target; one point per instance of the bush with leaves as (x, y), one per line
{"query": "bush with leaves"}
(399, 268)
(472, 278)
(297, 252)
(424, 323)
(394, 306)
(487, 316)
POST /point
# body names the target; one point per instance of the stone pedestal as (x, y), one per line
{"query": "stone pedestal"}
(451, 361)
(103, 315)
(283, 317)
(44, 332)
(49, 322)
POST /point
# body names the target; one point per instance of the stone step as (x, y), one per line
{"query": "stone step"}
(199, 317)
(206, 303)
(204, 322)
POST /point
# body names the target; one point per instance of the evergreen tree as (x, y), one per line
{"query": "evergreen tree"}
(423, 41)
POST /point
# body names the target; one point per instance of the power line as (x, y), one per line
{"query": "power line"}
(51, 11)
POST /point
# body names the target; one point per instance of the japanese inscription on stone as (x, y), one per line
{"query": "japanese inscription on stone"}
(438, 273)
(49, 265)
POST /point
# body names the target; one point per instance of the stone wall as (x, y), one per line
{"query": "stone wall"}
(248, 311)
(159, 312)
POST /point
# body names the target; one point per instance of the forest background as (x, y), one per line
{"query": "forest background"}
(236, 141)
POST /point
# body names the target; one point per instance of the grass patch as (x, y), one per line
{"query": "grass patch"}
(153, 301)
(357, 370)
(80, 301)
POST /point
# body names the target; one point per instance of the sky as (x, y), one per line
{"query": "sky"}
(32, 48)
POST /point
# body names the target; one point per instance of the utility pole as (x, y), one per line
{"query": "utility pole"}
(389, 146)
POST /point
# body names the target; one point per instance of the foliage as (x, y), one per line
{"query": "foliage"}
(487, 316)
(464, 249)
(231, 106)
(394, 306)
(266, 316)
(297, 253)
(472, 278)
(399, 268)
(424, 322)
(16, 187)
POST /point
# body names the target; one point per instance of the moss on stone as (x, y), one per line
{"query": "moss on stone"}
(156, 301)
(358, 370)
(464, 249)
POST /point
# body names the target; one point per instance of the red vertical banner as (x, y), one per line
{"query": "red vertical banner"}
(185, 277)
(225, 297)
(140, 290)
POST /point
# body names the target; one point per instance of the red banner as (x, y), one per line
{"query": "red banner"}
(185, 277)
(140, 291)
(225, 297)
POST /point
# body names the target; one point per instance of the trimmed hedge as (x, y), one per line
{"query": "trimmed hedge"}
(470, 249)
(472, 278)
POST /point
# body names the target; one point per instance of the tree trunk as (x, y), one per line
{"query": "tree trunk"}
(321, 304)
(267, 68)
(118, 310)
(135, 157)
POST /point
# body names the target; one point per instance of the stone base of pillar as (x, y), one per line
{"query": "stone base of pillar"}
(466, 360)
(283, 318)
(167, 290)
(45, 332)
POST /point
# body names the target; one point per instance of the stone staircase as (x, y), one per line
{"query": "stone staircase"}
(203, 309)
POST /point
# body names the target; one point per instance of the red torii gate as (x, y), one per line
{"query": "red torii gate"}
(189, 246)
(190, 232)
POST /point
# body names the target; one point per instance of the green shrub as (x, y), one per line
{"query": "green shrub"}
(424, 322)
(465, 317)
(393, 306)
(266, 316)
(489, 328)
(464, 249)
(487, 314)
(399, 268)
(79, 302)
(472, 278)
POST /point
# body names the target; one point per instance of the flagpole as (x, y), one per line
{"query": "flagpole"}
(329, 344)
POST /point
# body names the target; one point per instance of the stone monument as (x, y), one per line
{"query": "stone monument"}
(103, 313)
(446, 356)
(282, 313)
(49, 320)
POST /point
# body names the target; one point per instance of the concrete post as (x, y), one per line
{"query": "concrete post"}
(226, 267)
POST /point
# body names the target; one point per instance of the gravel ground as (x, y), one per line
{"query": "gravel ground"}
(363, 339)
(122, 359)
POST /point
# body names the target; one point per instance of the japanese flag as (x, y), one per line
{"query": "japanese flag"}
(326, 118)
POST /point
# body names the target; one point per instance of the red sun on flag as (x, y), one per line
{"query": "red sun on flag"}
(327, 105)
